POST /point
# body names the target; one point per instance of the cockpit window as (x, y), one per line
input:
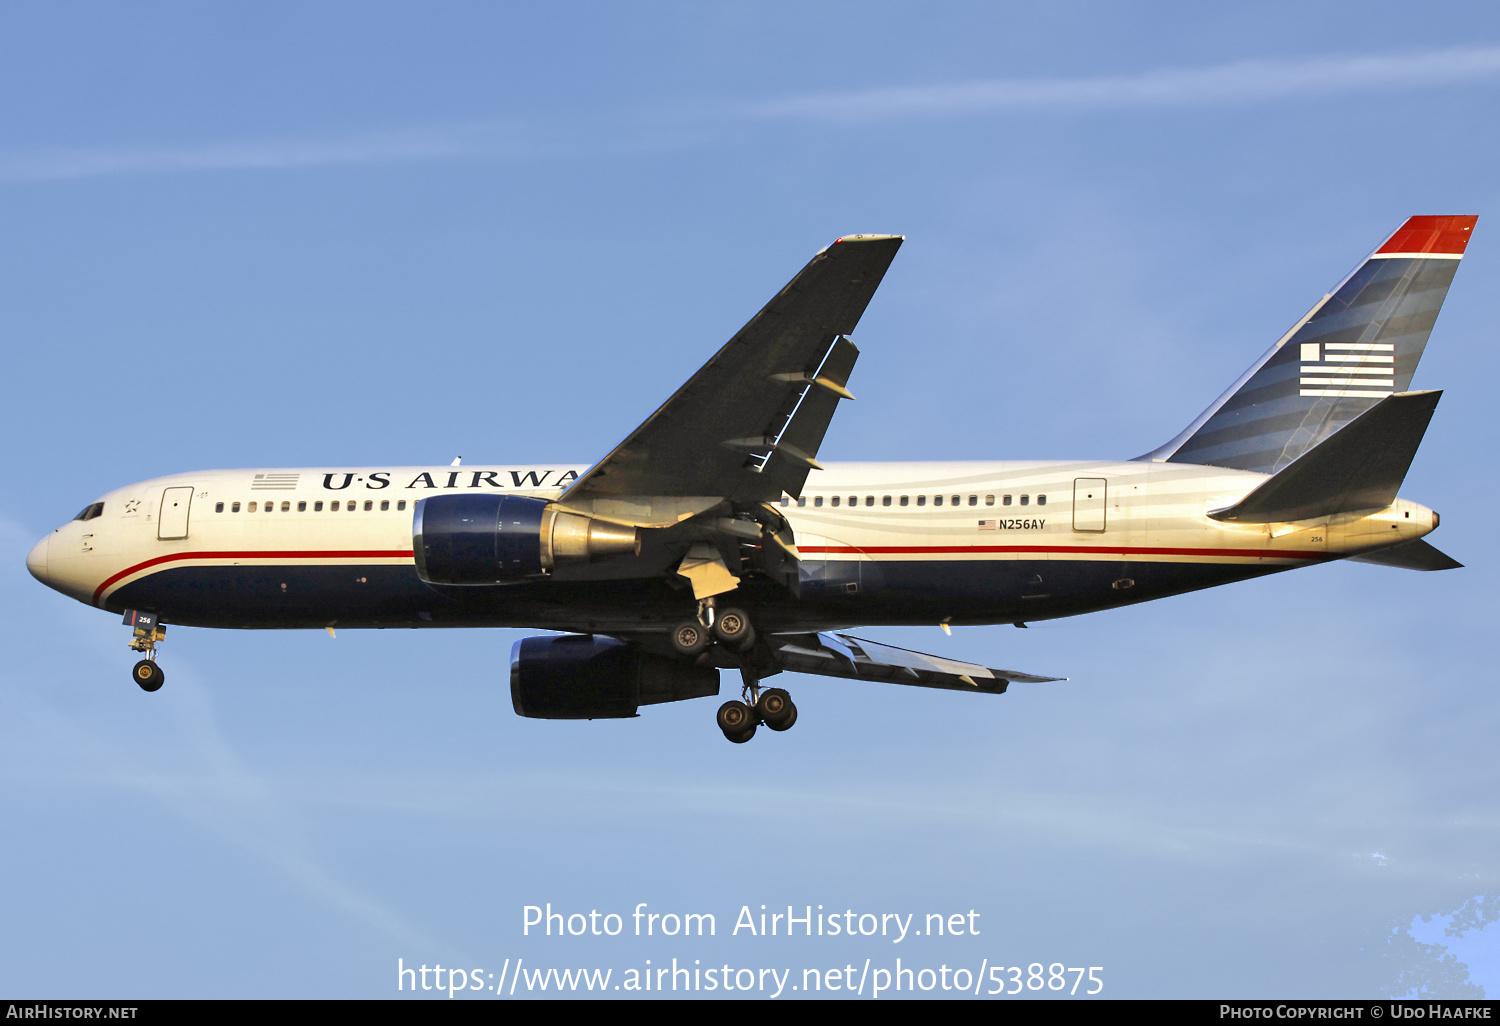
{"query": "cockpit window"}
(91, 511)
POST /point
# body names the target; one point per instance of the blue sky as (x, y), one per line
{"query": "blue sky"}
(352, 234)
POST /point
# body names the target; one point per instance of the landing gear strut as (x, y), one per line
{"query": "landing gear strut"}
(147, 631)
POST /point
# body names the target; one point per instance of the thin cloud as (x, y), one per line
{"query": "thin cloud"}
(371, 148)
(1241, 82)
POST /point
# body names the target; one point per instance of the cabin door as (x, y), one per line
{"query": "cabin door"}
(1088, 503)
(172, 521)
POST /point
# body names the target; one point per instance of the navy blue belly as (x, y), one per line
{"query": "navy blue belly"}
(841, 594)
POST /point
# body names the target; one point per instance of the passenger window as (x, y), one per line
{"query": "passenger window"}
(385, 504)
(1041, 500)
(989, 500)
(334, 506)
(921, 500)
(937, 500)
(904, 500)
(269, 507)
(854, 500)
(318, 506)
(1005, 500)
(234, 507)
(401, 503)
(973, 500)
(869, 500)
(785, 501)
(956, 499)
(834, 501)
(250, 508)
(369, 505)
(801, 501)
(817, 500)
(286, 507)
(1025, 499)
(218, 507)
(302, 506)
(885, 500)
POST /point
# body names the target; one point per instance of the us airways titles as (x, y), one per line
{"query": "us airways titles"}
(466, 478)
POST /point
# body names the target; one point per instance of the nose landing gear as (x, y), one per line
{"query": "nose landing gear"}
(147, 631)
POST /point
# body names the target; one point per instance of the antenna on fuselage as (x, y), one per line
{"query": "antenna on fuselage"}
(456, 461)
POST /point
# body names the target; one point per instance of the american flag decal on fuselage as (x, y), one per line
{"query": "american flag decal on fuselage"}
(1363, 369)
(277, 482)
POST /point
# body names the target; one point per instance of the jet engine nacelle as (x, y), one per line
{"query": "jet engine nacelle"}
(587, 677)
(500, 539)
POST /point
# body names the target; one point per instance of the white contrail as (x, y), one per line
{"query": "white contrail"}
(1241, 82)
(376, 147)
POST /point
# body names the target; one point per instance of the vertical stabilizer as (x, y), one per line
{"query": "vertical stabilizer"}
(1358, 345)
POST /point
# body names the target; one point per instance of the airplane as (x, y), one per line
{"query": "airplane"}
(713, 538)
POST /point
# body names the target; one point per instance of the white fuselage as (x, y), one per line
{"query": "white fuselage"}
(891, 532)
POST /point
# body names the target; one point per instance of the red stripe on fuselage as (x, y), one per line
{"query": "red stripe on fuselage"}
(269, 554)
(834, 550)
(849, 550)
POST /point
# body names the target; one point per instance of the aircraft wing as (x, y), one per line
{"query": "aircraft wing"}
(840, 655)
(735, 429)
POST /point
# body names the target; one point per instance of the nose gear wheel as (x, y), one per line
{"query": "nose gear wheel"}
(148, 675)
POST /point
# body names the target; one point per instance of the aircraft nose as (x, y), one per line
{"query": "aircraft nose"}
(36, 559)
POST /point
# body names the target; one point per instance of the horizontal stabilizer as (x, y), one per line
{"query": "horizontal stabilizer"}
(839, 655)
(1359, 467)
(1412, 555)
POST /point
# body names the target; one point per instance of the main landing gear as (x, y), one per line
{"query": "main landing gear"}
(728, 627)
(147, 631)
(731, 628)
(773, 707)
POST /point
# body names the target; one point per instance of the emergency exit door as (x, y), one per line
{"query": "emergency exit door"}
(172, 521)
(1088, 503)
